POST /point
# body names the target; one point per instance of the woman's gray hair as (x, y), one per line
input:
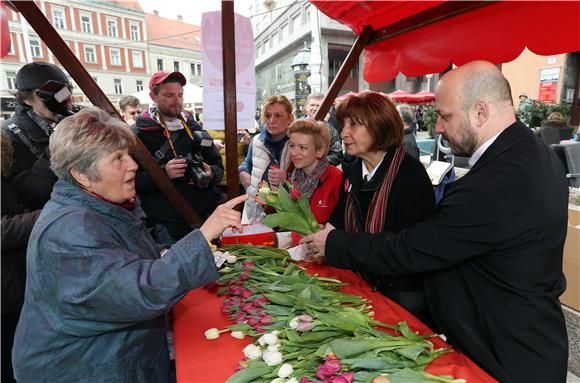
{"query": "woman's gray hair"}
(81, 140)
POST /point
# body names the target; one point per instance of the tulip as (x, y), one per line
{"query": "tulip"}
(328, 369)
(294, 323)
(381, 379)
(304, 326)
(231, 258)
(246, 294)
(295, 194)
(347, 377)
(235, 290)
(292, 380)
(305, 318)
(264, 187)
(272, 358)
(253, 321)
(269, 339)
(240, 318)
(305, 380)
(238, 334)
(252, 351)
(285, 370)
(244, 276)
(259, 329)
(248, 265)
(212, 333)
(266, 319)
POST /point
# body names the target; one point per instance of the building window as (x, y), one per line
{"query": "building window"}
(134, 28)
(284, 31)
(193, 72)
(198, 69)
(112, 27)
(274, 38)
(159, 64)
(115, 56)
(35, 48)
(258, 50)
(90, 56)
(176, 66)
(58, 18)
(11, 80)
(11, 50)
(87, 23)
(308, 13)
(118, 86)
(137, 59)
(295, 22)
(139, 85)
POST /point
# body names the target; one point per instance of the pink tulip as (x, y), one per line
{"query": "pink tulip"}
(304, 326)
(248, 265)
(261, 300)
(240, 318)
(253, 321)
(244, 276)
(246, 294)
(247, 307)
(259, 329)
(235, 290)
(305, 318)
(266, 319)
(347, 377)
(306, 380)
(329, 368)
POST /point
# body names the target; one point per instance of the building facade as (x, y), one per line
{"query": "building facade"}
(118, 43)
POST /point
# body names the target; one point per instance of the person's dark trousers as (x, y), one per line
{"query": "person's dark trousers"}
(9, 322)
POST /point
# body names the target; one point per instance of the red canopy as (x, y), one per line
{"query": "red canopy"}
(412, 98)
(425, 38)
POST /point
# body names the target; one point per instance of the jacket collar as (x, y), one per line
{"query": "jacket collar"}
(35, 127)
(355, 174)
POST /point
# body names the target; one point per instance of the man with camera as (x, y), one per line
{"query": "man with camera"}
(43, 98)
(184, 150)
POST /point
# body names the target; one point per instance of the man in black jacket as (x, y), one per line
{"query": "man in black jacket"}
(29, 129)
(492, 250)
(186, 153)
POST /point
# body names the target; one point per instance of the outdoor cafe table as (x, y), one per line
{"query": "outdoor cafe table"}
(211, 361)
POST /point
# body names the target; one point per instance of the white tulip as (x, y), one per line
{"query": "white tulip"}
(285, 370)
(272, 358)
(230, 258)
(275, 347)
(294, 323)
(252, 351)
(238, 334)
(269, 339)
(292, 380)
(278, 380)
(212, 333)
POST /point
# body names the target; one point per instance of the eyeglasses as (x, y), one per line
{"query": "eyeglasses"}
(135, 112)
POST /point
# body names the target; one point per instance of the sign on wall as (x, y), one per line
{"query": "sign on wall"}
(549, 78)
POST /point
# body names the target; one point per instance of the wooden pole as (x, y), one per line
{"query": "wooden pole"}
(74, 67)
(230, 99)
(343, 72)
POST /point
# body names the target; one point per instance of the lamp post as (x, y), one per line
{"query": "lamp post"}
(301, 73)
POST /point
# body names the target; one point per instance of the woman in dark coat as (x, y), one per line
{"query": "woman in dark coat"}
(384, 189)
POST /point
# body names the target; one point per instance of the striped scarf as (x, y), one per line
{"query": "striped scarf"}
(375, 221)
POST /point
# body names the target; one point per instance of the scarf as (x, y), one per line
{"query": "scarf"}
(275, 147)
(377, 212)
(306, 183)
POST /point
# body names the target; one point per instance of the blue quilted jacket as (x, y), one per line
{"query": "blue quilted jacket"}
(97, 291)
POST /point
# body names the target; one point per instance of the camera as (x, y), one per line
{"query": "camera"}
(55, 96)
(194, 170)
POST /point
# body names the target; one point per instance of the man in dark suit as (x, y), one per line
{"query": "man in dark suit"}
(492, 250)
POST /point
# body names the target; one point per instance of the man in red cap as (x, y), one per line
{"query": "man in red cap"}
(184, 150)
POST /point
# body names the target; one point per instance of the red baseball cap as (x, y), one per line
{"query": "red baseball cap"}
(161, 77)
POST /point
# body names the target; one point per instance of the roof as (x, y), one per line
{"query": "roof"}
(422, 37)
(134, 5)
(173, 33)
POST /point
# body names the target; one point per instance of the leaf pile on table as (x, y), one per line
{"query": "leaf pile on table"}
(305, 330)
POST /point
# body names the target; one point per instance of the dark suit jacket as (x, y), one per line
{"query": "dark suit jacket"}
(493, 248)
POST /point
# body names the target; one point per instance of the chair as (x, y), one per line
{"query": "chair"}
(550, 135)
(572, 152)
(565, 132)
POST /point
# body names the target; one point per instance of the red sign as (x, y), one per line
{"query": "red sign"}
(548, 91)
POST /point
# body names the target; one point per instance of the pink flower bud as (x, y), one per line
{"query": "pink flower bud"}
(253, 321)
(248, 265)
(328, 369)
(304, 326)
(305, 318)
(240, 318)
(244, 276)
(246, 294)
(266, 319)
(246, 307)
(347, 377)
(259, 329)
(305, 380)
(235, 290)
(261, 300)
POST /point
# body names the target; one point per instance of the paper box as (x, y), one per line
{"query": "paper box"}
(255, 234)
(571, 266)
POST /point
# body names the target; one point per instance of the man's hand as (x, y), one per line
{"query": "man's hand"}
(275, 176)
(175, 168)
(223, 216)
(208, 170)
(245, 179)
(246, 139)
(219, 144)
(316, 242)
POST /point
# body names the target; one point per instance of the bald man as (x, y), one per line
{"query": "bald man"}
(492, 250)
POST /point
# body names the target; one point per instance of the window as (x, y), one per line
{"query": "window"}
(90, 55)
(11, 80)
(112, 27)
(176, 66)
(308, 13)
(199, 69)
(159, 64)
(284, 31)
(274, 39)
(134, 29)
(258, 50)
(192, 66)
(137, 59)
(118, 86)
(115, 56)
(295, 22)
(11, 50)
(139, 85)
(58, 18)
(86, 23)
(35, 48)
(267, 44)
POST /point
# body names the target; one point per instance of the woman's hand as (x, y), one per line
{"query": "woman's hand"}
(224, 216)
(245, 179)
(316, 242)
(275, 176)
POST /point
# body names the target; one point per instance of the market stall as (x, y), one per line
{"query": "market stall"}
(201, 360)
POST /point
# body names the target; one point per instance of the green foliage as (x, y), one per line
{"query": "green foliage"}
(538, 111)
(430, 119)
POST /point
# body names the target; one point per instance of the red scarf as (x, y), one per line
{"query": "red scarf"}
(127, 205)
(377, 212)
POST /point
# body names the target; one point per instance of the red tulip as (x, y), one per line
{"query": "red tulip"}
(295, 194)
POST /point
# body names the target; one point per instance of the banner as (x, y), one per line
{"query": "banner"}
(212, 72)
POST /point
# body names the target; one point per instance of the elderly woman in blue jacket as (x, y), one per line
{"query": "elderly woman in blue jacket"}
(97, 289)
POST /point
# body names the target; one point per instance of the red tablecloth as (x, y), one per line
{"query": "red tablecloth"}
(201, 360)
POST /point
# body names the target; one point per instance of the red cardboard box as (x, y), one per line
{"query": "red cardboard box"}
(255, 234)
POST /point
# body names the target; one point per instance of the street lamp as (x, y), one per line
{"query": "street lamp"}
(301, 73)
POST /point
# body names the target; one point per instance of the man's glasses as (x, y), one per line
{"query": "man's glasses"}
(135, 112)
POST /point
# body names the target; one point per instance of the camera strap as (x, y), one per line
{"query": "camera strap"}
(25, 140)
(170, 135)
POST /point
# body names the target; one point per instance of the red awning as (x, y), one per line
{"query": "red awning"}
(497, 32)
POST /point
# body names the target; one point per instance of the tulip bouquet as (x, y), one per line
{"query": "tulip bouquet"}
(292, 209)
(308, 331)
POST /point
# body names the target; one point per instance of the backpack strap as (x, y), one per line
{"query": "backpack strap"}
(25, 140)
